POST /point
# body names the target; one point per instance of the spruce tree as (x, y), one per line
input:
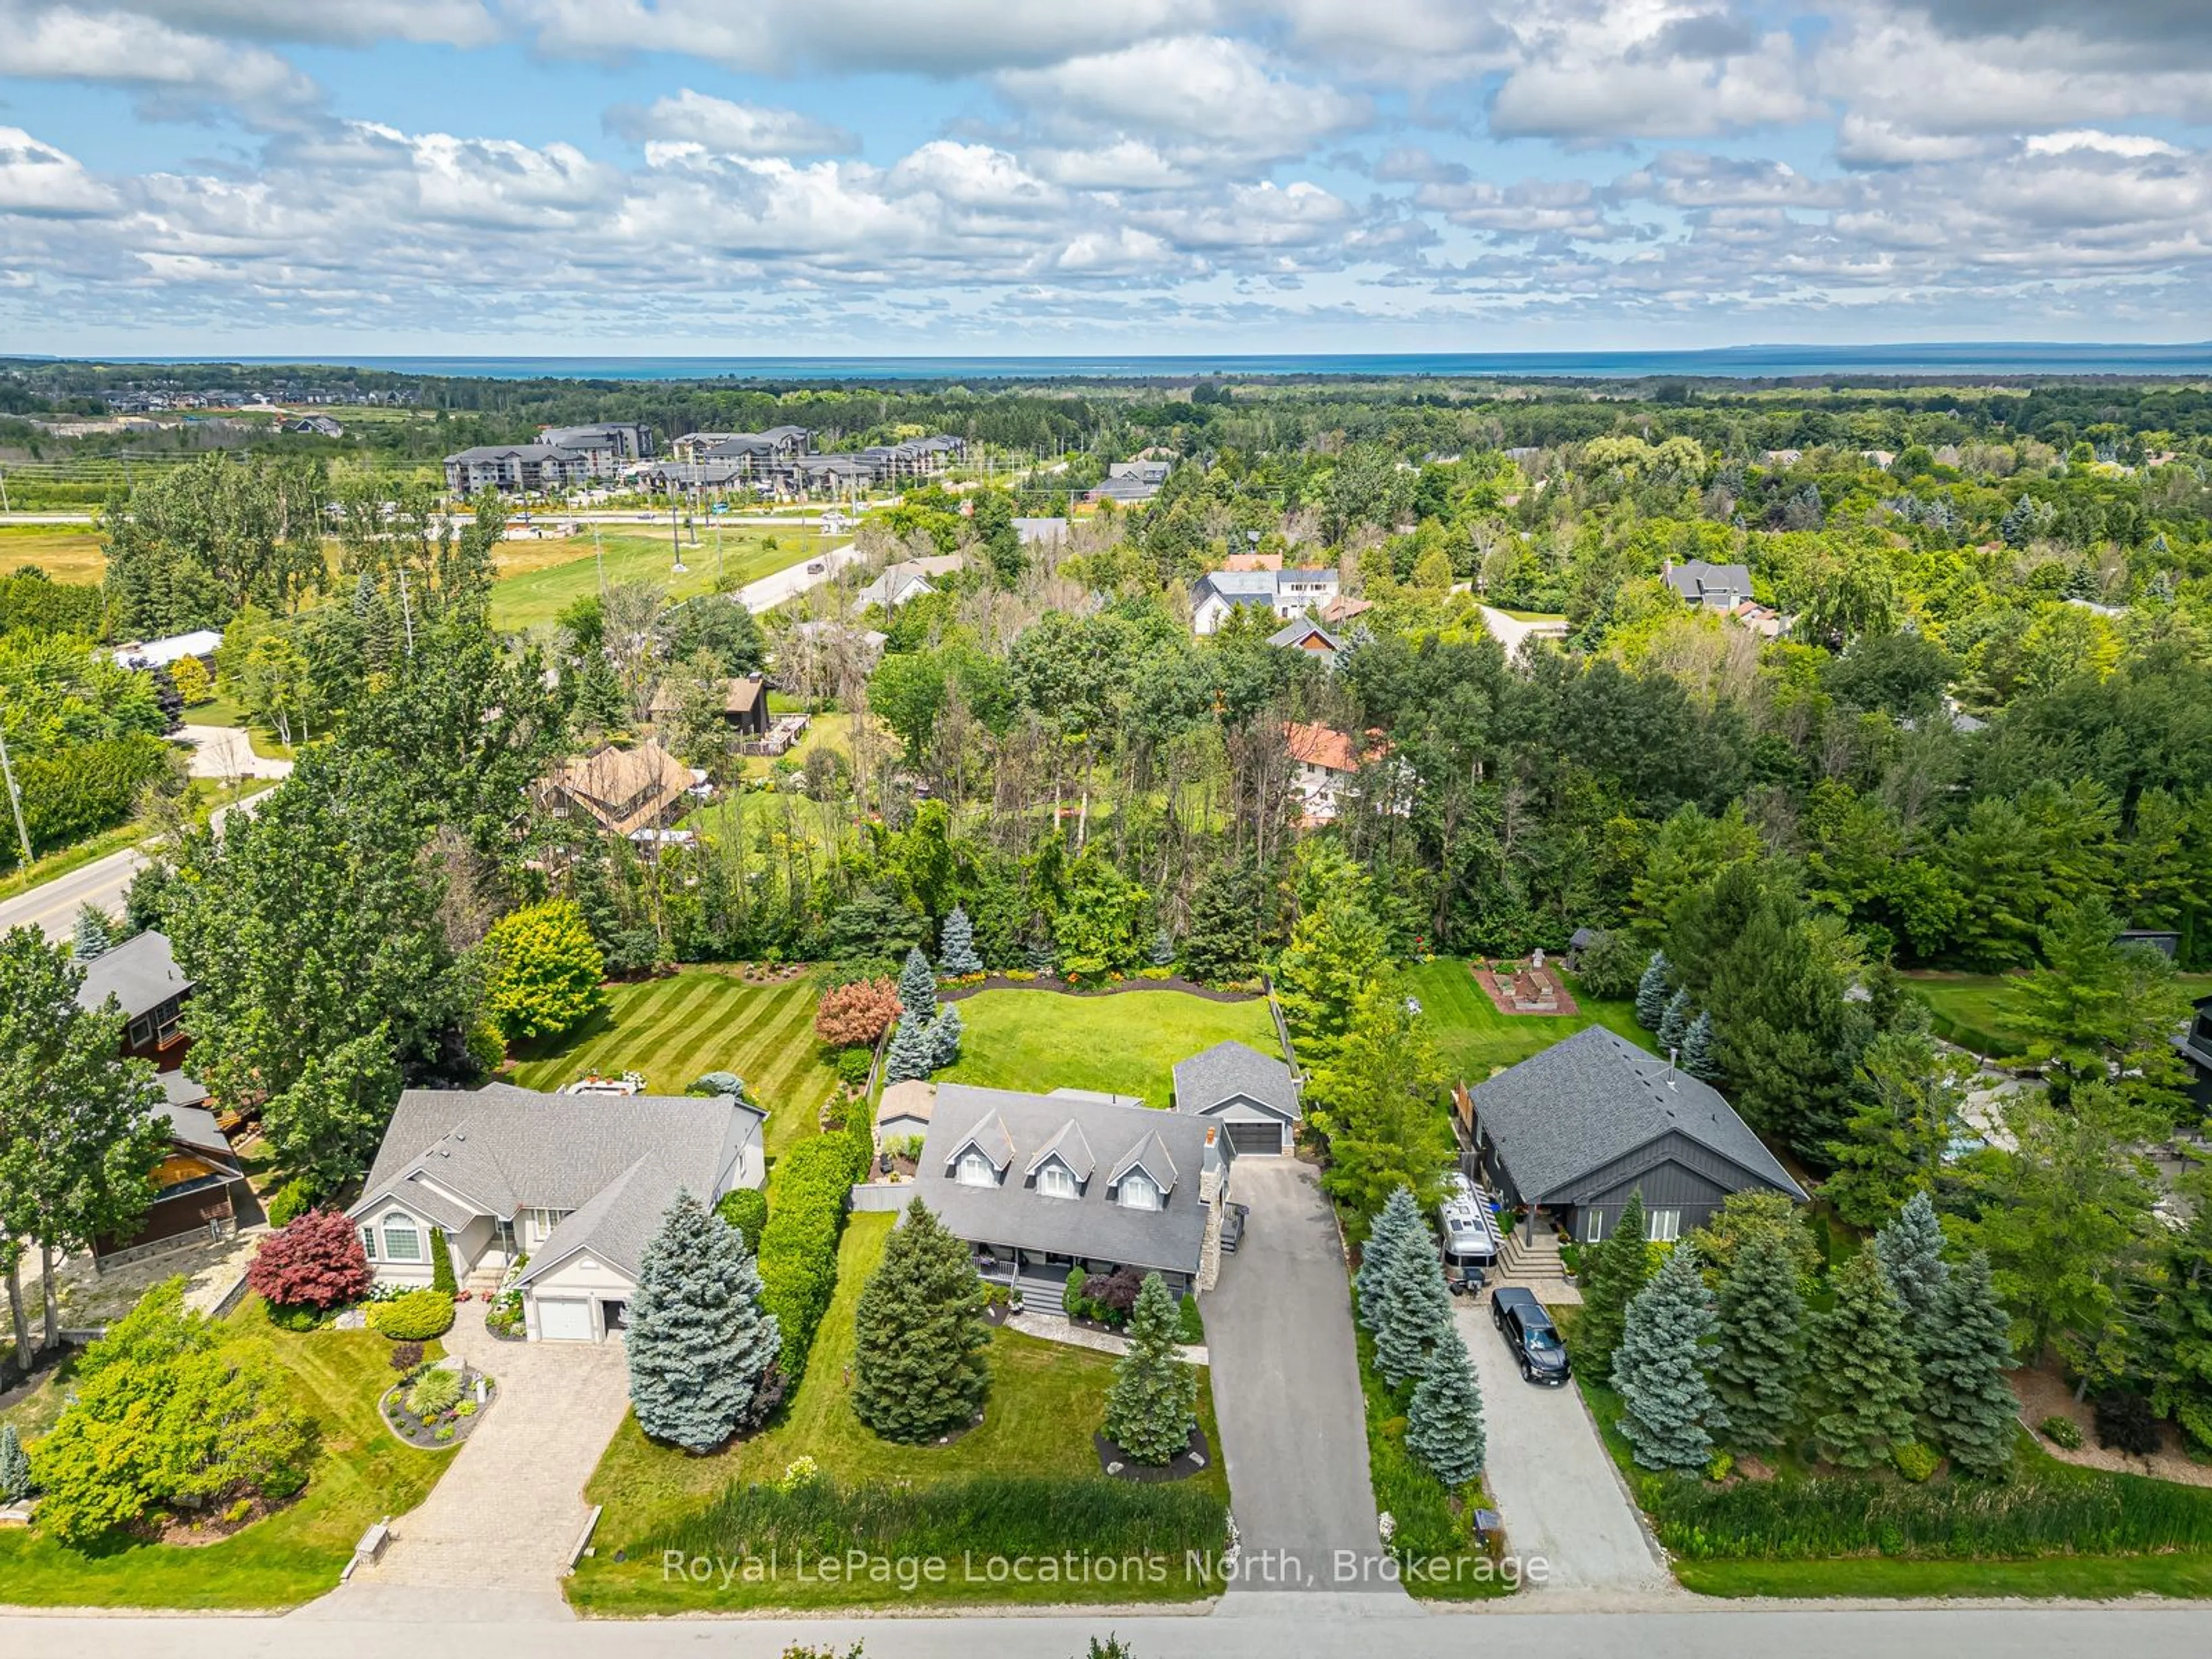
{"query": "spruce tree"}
(699, 1346)
(1444, 1425)
(945, 1034)
(1221, 937)
(1758, 1367)
(1674, 1022)
(1163, 951)
(1699, 1058)
(1910, 1251)
(1864, 1379)
(1651, 993)
(1037, 956)
(15, 1466)
(1963, 1363)
(1660, 1368)
(917, 988)
(1398, 1221)
(956, 952)
(1412, 1313)
(918, 1364)
(1613, 1273)
(93, 937)
(1153, 1399)
(912, 1050)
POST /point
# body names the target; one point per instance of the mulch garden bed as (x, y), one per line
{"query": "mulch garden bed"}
(1000, 983)
(447, 1430)
(214, 1526)
(1193, 1457)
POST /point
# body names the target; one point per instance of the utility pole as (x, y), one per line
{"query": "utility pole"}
(407, 614)
(16, 803)
(599, 558)
(675, 530)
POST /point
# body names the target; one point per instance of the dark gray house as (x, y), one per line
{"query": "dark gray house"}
(1575, 1129)
(1251, 1095)
(1721, 587)
(2195, 1045)
(1039, 1184)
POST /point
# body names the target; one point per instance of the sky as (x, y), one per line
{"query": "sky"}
(533, 178)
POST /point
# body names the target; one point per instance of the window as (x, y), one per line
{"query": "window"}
(368, 1243)
(538, 1225)
(142, 1032)
(1663, 1226)
(1593, 1227)
(1138, 1192)
(1056, 1180)
(975, 1169)
(402, 1241)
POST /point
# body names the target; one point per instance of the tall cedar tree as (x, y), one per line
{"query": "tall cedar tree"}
(1413, 1315)
(1444, 1424)
(15, 1466)
(1659, 1370)
(1910, 1251)
(1376, 1100)
(1614, 1271)
(913, 1050)
(1651, 993)
(1864, 1379)
(956, 952)
(1153, 1399)
(1758, 1365)
(699, 1346)
(1963, 1363)
(917, 988)
(1221, 940)
(1399, 1221)
(919, 1368)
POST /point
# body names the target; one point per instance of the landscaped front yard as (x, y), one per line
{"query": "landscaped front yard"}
(676, 1029)
(1475, 1040)
(1125, 1043)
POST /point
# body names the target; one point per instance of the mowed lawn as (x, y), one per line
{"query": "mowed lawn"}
(1476, 1040)
(1974, 1010)
(67, 553)
(538, 579)
(675, 1029)
(1125, 1043)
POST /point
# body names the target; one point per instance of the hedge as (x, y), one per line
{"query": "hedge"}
(746, 1208)
(80, 791)
(415, 1316)
(798, 1246)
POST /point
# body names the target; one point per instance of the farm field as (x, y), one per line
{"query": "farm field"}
(65, 552)
(1476, 1040)
(538, 579)
(1127, 1044)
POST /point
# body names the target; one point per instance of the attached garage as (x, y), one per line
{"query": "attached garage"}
(1269, 1140)
(1252, 1095)
(564, 1321)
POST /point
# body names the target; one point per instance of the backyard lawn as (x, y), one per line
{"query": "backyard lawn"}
(364, 1474)
(674, 1030)
(538, 579)
(1476, 1040)
(1971, 1009)
(1125, 1043)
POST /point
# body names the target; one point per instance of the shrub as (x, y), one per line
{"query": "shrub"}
(746, 1208)
(858, 1014)
(542, 971)
(2126, 1423)
(289, 1202)
(799, 1244)
(1114, 1294)
(441, 1264)
(405, 1357)
(1721, 1467)
(413, 1316)
(316, 1262)
(298, 1320)
(435, 1392)
(1193, 1328)
(444, 1434)
(852, 1065)
(2060, 1432)
(466, 1409)
(1915, 1462)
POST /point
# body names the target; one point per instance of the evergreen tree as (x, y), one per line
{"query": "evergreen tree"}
(919, 1365)
(1444, 1424)
(699, 1346)
(917, 988)
(1963, 1361)
(1674, 1022)
(1398, 1221)
(1863, 1377)
(912, 1050)
(15, 1466)
(1660, 1368)
(94, 937)
(945, 1034)
(956, 952)
(1910, 1251)
(1163, 952)
(1037, 956)
(2019, 522)
(1413, 1314)
(1221, 940)
(1758, 1367)
(1154, 1399)
(1613, 1273)
(1651, 993)
(2180, 1359)
(441, 1263)
(1699, 1058)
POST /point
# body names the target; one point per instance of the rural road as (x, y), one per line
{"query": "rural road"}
(773, 589)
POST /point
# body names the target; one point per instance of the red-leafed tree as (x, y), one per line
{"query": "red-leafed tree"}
(857, 1013)
(315, 1262)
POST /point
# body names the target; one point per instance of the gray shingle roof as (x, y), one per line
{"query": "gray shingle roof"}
(1070, 1148)
(1296, 633)
(1694, 578)
(1231, 1070)
(1561, 1114)
(140, 974)
(1151, 1156)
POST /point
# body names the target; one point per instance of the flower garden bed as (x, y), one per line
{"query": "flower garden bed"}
(433, 1414)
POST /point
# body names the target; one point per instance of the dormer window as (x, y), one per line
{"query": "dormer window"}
(1139, 1192)
(1057, 1181)
(974, 1169)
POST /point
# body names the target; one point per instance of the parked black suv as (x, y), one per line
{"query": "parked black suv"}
(1529, 1332)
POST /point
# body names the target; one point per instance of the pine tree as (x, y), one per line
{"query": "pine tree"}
(919, 1367)
(2020, 522)
(1963, 1361)
(1221, 937)
(917, 988)
(945, 1034)
(699, 1346)
(1163, 952)
(911, 1050)
(1037, 955)
(1444, 1424)
(15, 1466)
(1398, 1221)
(1758, 1367)
(1862, 1378)
(1153, 1399)
(956, 952)
(1660, 1368)
(1651, 993)
(94, 937)
(1699, 1058)
(1910, 1251)
(1413, 1314)
(1674, 1022)
(1613, 1273)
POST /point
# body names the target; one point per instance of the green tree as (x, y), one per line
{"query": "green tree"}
(1759, 1365)
(1413, 1315)
(1911, 1093)
(1397, 1226)
(699, 1348)
(92, 937)
(1675, 1023)
(542, 971)
(1758, 1213)
(1337, 950)
(1964, 1357)
(920, 1366)
(1443, 1422)
(956, 952)
(1099, 927)
(1613, 1273)
(917, 988)
(1153, 1399)
(1221, 941)
(2098, 1010)
(2179, 1362)
(1911, 1250)
(1669, 1408)
(1378, 1101)
(441, 1263)
(15, 1466)
(1863, 1380)
(1652, 996)
(1700, 1058)
(913, 1051)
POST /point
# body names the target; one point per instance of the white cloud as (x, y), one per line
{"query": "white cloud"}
(730, 129)
(345, 22)
(2134, 146)
(35, 178)
(164, 65)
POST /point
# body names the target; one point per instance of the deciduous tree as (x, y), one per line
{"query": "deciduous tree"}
(542, 971)
(1379, 1100)
(317, 1260)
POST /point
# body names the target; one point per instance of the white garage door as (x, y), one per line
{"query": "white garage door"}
(564, 1321)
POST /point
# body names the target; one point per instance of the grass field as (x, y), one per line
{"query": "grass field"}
(1046, 1401)
(362, 1475)
(68, 553)
(538, 579)
(1971, 1009)
(674, 1030)
(1475, 1039)
(1127, 1044)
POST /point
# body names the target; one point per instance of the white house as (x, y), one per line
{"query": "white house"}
(575, 1183)
(1283, 593)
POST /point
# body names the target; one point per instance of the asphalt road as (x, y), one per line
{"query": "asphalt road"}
(773, 589)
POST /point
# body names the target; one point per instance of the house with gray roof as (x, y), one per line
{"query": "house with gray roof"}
(1039, 1185)
(1283, 593)
(1719, 586)
(141, 976)
(570, 1186)
(1253, 1097)
(1578, 1127)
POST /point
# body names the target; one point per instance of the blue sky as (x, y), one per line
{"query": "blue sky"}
(957, 177)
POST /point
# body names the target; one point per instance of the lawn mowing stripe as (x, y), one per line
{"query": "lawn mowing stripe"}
(717, 1044)
(647, 1042)
(790, 1054)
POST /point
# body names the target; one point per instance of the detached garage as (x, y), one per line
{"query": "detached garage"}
(1252, 1095)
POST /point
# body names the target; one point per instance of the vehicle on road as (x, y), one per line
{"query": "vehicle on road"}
(816, 569)
(1471, 1243)
(1232, 1226)
(1535, 1343)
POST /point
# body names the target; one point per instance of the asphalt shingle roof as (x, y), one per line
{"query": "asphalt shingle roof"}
(1231, 1070)
(140, 974)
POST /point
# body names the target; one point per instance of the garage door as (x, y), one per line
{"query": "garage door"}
(1266, 1138)
(564, 1321)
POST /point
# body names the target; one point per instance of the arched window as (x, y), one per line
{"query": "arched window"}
(403, 1240)
(1056, 1180)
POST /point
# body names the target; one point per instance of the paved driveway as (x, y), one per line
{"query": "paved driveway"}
(1551, 1477)
(1286, 1390)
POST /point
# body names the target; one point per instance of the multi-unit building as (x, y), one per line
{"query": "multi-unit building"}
(609, 447)
(512, 468)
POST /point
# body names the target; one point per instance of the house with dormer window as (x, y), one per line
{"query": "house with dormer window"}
(1039, 1185)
